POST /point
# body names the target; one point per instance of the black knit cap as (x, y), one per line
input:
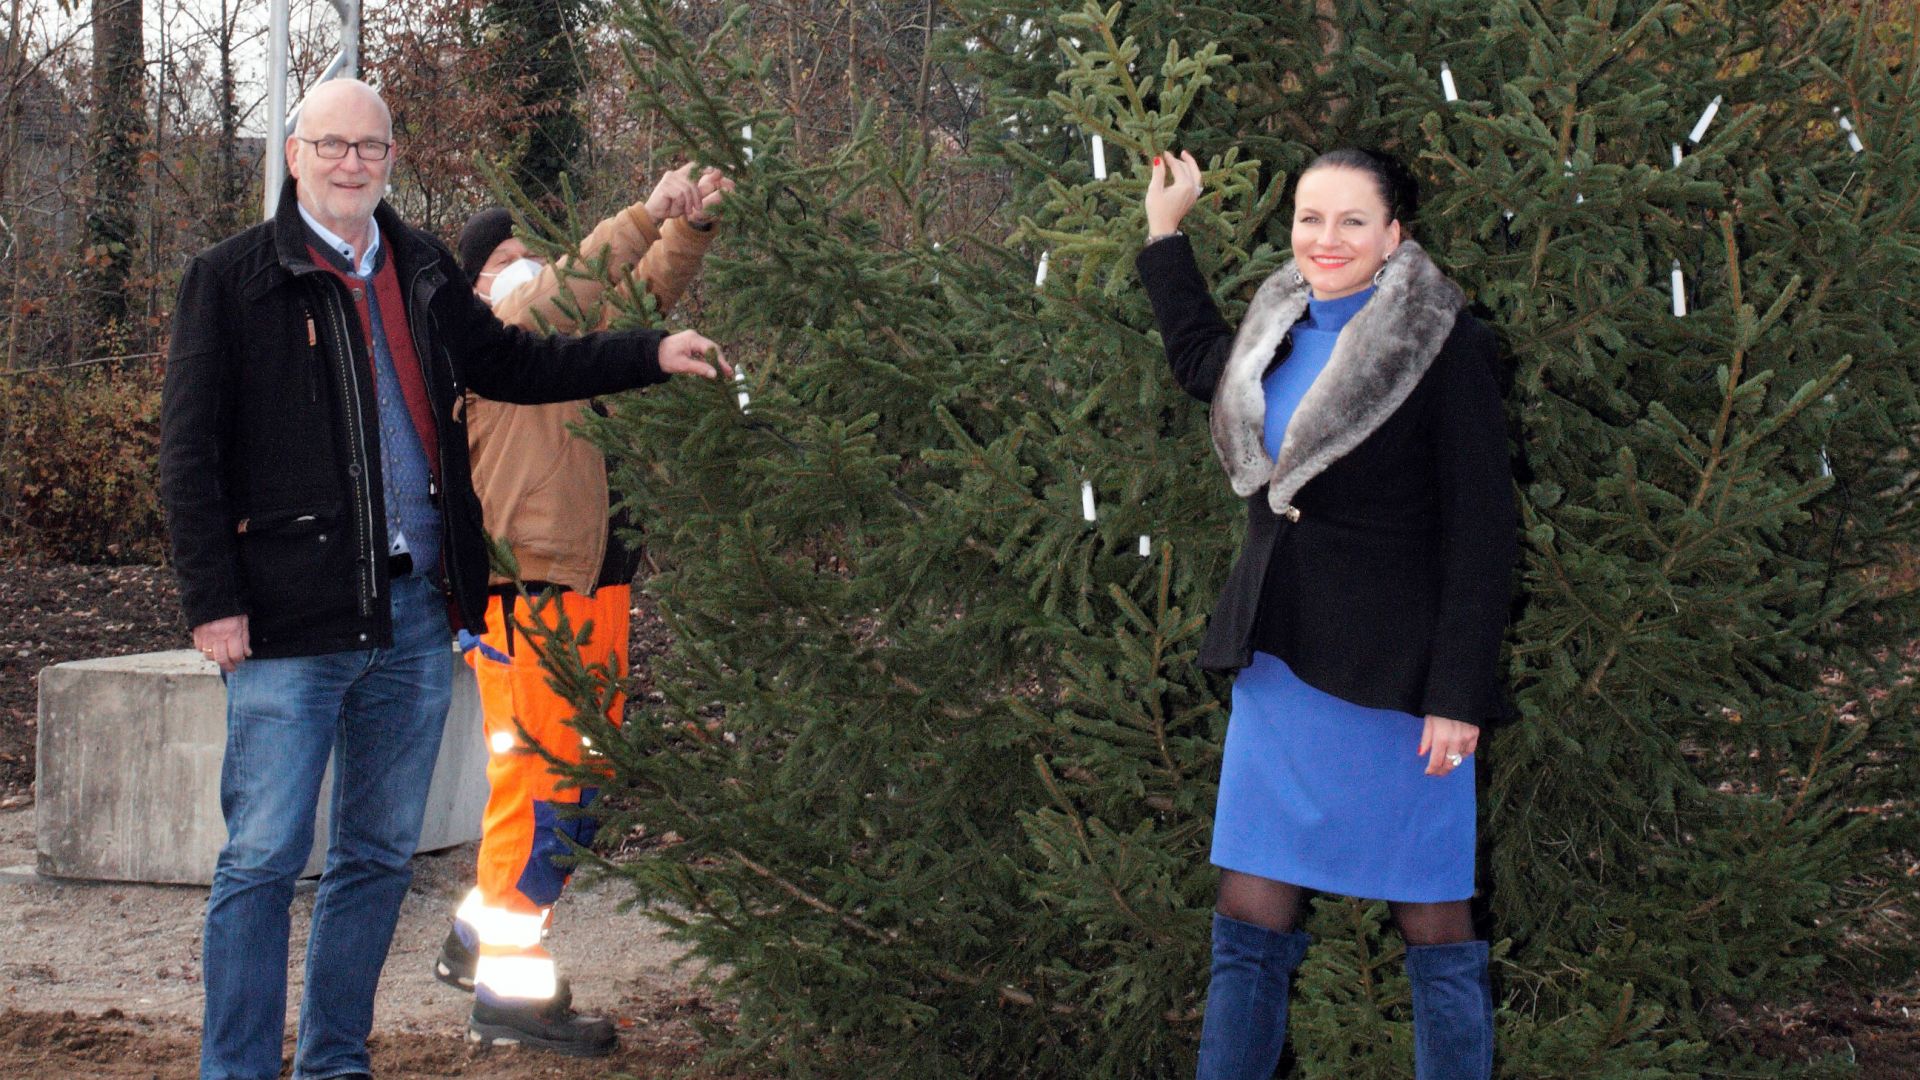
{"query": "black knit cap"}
(483, 232)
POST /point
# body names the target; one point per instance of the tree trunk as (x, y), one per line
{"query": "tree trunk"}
(228, 175)
(539, 56)
(118, 132)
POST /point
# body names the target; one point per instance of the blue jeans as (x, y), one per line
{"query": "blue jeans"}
(378, 713)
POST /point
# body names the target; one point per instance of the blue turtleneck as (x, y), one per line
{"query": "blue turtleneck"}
(1313, 339)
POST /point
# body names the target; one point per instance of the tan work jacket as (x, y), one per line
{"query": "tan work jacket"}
(543, 488)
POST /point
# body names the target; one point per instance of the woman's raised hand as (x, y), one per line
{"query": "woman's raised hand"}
(1172, 189)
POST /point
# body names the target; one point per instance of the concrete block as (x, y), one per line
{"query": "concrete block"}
(128, 776)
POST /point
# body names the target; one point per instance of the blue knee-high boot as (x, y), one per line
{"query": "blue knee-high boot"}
(1452, 1011)
(1246, 1022)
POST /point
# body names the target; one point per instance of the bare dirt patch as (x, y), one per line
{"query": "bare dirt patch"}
(51, 613)
(102, 979)
(113, 1045)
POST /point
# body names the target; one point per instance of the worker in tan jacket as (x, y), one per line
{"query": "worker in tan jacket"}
(543, 490)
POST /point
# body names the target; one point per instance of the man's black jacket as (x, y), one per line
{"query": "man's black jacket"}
(269, 443)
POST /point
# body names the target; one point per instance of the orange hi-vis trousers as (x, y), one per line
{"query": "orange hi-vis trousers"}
(524, 837)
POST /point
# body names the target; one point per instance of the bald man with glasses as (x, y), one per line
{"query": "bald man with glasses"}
(328, 541)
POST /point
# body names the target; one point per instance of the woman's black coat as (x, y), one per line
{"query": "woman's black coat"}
(1380, 545)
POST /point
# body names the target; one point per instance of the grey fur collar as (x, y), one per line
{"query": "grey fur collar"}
(1379, 359)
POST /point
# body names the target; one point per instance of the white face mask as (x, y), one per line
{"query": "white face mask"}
(517, 273)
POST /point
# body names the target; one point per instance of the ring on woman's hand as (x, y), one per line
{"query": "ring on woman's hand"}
(1455, 759)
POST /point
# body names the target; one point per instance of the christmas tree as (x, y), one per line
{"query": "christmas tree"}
(937, 764)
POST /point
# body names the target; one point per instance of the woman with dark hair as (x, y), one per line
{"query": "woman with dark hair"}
(1357, 412)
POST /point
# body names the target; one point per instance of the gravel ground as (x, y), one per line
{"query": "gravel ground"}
(103, 979)
(90, 969)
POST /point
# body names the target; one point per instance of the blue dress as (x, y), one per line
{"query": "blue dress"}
(1315, 790)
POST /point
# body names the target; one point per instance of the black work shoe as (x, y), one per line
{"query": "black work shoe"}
(455, 965)
(543, 1025)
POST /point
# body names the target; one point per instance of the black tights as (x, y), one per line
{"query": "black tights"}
(1278, 906)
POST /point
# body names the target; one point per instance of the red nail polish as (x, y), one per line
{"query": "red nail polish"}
(1156, 161)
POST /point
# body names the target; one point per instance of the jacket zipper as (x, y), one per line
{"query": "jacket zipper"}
(369, 581)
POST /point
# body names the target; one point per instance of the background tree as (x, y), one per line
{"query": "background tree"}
(936, 764)
(232, 182)
(116, 136)
(535, 51)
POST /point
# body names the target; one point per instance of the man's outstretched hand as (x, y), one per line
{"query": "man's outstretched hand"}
(690, 353)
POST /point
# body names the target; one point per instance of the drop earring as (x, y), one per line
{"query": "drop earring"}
(1384, 263)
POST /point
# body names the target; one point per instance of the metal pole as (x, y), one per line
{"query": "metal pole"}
(277, 47)
(280, 119)
(349, 58)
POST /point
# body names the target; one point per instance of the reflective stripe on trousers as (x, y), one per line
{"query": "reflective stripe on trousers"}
(527, 834)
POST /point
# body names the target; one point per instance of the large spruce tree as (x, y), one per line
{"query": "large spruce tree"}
(935, 761)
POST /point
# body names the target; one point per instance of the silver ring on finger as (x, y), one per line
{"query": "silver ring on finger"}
(1455, 759)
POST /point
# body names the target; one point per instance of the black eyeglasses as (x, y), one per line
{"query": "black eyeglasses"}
(334, 149)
